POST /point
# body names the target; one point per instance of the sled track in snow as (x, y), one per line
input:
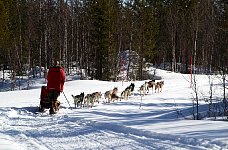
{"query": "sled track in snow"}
(162, 141)
(39, 131)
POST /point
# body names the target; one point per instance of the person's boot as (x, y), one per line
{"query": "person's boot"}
(41, 109)
(52, 110)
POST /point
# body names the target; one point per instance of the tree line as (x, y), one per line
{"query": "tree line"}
(94, 32)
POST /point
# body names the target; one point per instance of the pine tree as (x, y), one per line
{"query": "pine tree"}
(102, 32)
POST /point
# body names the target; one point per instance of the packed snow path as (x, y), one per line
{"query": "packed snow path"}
(162, 122)
(40, 131)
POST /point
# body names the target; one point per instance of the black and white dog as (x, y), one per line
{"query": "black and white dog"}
(131, 87)
(126, 93)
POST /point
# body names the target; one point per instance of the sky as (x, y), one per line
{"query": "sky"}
(155, 121)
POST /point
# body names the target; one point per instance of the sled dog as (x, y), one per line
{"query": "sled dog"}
(108, 95)
(159, 86)
(143, 89)
(56, 105)
(111, 95)
(131, 87)
(114, 94)
(89, 100)
(78, 99)
(126, 93)
(151, 84)
(97, 96)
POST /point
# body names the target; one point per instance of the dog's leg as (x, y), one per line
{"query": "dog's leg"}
(91, 102)
(75, 103)
(109, 98)
(85, 102)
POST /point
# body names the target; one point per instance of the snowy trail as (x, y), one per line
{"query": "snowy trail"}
(156, 125)
(39, 131)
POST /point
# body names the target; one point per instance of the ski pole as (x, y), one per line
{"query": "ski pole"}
(67, 100)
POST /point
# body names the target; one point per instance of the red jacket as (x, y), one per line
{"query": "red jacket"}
(56, 78)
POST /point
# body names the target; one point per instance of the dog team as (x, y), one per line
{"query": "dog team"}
(155, 86)
(88, 100)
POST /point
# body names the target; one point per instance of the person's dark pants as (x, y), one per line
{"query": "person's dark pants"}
(53, 95)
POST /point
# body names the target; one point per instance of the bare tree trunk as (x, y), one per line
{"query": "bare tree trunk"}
(46, 31)
(195, 49)
(65, 44)
(29, 52)
(173, 51)
(13, 72)
(211, 95)
(41, 38)
(195, 89)
(196, 38)
(77, 37)
(118, 64)
(60, 34)
(19, 53)
(194, 63)
(172, 24)
(223, 75)
(130, 49)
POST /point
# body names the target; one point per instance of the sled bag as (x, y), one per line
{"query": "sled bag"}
(44, 94)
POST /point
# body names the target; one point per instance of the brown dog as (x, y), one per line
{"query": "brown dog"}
(56, 105)
(111, 95)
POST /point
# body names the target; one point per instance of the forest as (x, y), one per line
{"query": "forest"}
(92, 34)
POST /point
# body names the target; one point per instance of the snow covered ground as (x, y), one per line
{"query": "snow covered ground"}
(155, 121)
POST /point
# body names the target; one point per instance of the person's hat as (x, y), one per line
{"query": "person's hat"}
(56, 62)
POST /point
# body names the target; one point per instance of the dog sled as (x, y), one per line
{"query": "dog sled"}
(47, 103)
